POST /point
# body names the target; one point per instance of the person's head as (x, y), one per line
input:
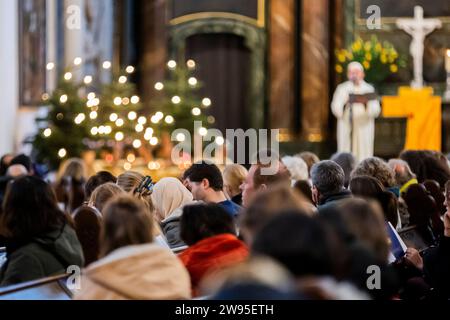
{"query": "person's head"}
(297, 168)
(355, 72)
(30, 209)
(265, 205)
(426, 165)
(125, 223)
(130, 182)
(366, 222)
(168, 195)
(376, 168)
(309, 158)
(72, 168)
(233, 177)
(447, 195)
(298, 242)
(202, 221)
(264, 174)
(347, 162)
(304, 189)
(103, 194)
(370, 188)
(204, 179)
(403, 173)
(4, 163)
(96, 181)
(16, 171)
(23, 160)
(327, 179)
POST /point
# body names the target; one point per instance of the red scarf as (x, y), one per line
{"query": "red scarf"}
(212, 254)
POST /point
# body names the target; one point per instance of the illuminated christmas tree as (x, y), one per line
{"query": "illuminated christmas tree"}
(62, 130)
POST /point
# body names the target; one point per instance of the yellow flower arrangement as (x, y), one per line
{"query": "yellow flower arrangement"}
(379, 59)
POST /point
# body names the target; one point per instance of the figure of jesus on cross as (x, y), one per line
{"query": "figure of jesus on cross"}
(418, 28)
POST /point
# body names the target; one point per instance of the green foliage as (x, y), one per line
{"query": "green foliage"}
(58, 130)
(178, 103)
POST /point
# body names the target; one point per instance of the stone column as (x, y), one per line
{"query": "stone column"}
(9, 78)
(74, 26)
(315, 69)
(282, 64)
(153, 38)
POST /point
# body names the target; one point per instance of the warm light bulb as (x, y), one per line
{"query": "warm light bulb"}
(176, 100)
(91, 96)
(94, 131)
(181, 137)
(93, 115)
(220, 141)
(50, 66)
(159, 86)
(129, 69)
(132, 115)
(127, 166)
(193, 81)
(142, 120)
(113, 117)
(191, 64)
(63, 98)
(137, 144)
(131, 158)
(68, 76)
(125, 101)
(139, 128)
(172, 64)
(108, 130)
(154, 141)
(107, 65)
(123, 80)
(88, 80)
(203, 131)
(62, 153)
(117, 101)
(77, 61)
(206, 102)
(45, 97)
(196, 112)
(119, 136)
(120, 122)
(135, 99)
(169, 119)
(47, 132)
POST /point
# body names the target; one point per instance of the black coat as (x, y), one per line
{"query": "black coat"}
(44, 256)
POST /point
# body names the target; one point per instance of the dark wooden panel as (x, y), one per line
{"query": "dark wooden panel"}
(390, 137)
(248, 8)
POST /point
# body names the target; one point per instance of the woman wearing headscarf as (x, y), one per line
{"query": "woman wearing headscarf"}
(169, 197)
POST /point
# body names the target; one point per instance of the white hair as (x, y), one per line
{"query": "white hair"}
(17, 170)
(355, 65)
(297, 167)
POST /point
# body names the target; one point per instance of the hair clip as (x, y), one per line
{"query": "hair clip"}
(146, 184)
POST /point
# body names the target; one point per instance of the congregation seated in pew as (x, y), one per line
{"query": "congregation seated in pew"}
(120, 240)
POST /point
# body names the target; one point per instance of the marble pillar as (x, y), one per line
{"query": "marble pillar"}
(315, 35)
(153, 39)
(74, 27)
(9, 78)
(282, 64)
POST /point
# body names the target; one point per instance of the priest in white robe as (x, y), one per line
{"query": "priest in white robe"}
(358, 140)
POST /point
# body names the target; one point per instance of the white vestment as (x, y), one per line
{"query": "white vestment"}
(363, 120)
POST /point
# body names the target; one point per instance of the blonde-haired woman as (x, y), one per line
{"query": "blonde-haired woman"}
(130, 181)
(132, 266)
(169, 197)
(233, 177)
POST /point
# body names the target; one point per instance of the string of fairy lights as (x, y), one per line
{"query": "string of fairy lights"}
(143, 125)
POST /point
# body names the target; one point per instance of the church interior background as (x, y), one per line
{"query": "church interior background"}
(262, 63)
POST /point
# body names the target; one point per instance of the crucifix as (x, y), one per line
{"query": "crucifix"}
(418, 28)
